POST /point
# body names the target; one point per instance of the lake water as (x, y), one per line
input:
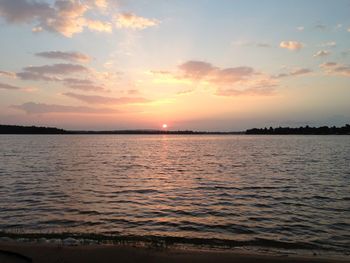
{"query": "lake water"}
(252, 191)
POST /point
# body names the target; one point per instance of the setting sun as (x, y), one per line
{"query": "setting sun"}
(164, 126)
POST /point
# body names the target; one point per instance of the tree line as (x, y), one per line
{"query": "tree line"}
(323, 130)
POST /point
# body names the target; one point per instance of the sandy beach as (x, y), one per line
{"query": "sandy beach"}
(11, 252)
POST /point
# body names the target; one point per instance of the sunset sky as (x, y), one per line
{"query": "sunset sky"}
(201, 64)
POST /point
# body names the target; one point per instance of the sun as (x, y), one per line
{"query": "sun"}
(164, 126)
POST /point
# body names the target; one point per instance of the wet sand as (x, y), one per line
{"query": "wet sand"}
(43, 253)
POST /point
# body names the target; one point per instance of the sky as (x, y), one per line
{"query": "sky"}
(213, 65)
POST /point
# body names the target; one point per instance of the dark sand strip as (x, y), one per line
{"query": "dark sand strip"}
(45, 253)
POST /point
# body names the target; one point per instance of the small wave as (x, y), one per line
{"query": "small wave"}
(167, 240)
(137, 191)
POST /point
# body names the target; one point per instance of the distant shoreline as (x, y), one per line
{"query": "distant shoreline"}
(323, 130)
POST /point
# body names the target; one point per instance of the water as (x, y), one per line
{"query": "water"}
(270, 191)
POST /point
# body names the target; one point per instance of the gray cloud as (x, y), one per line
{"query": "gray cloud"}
(43, 73)
(334, 68)
(321, 27)
(8, 87)
(41, 108)
(75, 81)
(66, 17)
(230, 81)
(294, 73)
(69, 56)
(60, 69)
(36, 76)
(196, 69)
(251, 44)
(200, 70)
(89, 87)
(23, 11)
(92, 99)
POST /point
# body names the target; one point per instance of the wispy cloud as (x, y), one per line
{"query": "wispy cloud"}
(42, 108)
(88, 87)
(300, 28)
(334, 68)
(322, 53)
(69, 56)
(56, 73)
(295, 72)
(8, 87)
(329, 44)
(59, 69)
(25, 75)
(241, 43)
(268, 91)
(7, 74)
(93, 99)
(321, 27)
(291, 45)
(132, 21)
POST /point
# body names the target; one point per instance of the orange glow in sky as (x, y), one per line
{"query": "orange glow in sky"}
(110, 65)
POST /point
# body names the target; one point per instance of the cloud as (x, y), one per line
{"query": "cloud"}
(230, 81)
(291, 45)
(66, 17)
(295, 72)
(349, 29)
(322, 53)
(69, 56)
(251, 44)
(83, 84)
(333, 68)
(300, 28)
(23, 11)
(132, 21)
(105, 100)
(329, 44)
(263, 44)
(101, 3)
(41, 108)
(196, 69)
(133, 92)
(55, 72)
(99, 26)
(321, 27)
(8, 87)
(36, 76)
(268, 91)
(88, 87)
(345, 53)
(75, 81)
(7, 74)
(59, 69)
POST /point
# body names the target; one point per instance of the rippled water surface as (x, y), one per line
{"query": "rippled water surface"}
(283, 189)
